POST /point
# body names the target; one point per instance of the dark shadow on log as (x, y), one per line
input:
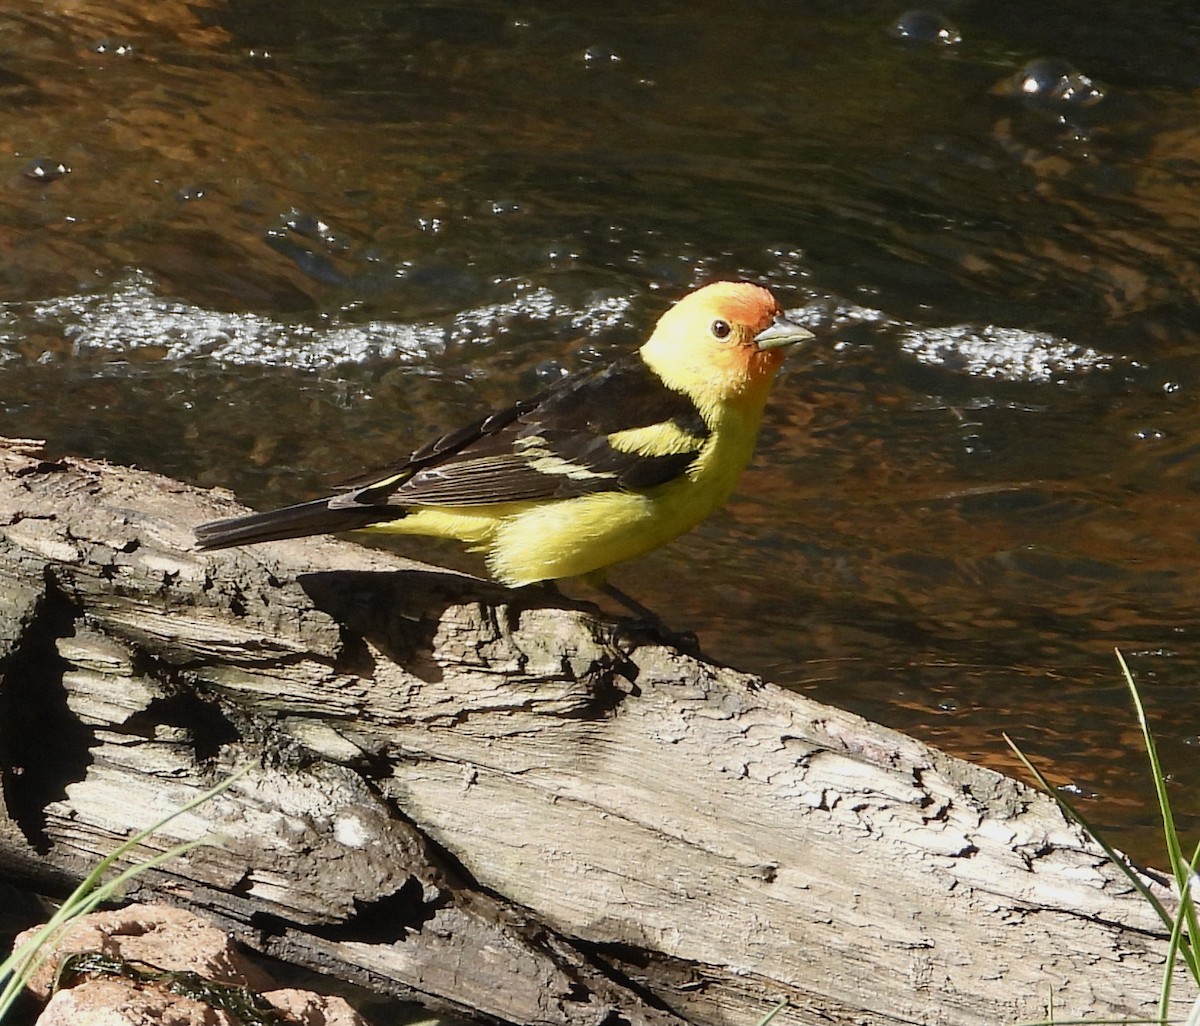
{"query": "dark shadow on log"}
(201, 720)
(43, 745)
(398, 612)
(390, 919)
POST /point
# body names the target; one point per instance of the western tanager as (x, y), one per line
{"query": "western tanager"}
(602, 466)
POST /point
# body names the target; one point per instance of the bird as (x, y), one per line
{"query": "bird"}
(601, 467)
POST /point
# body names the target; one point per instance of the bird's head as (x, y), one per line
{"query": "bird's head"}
(722, 342)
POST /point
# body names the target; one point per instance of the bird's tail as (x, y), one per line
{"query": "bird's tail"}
(299, 521)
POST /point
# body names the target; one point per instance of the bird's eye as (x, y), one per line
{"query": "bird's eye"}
(720, 330)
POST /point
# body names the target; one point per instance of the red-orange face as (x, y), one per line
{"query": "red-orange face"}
(721, 341)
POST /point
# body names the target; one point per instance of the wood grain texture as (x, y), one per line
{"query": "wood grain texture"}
(505, 805)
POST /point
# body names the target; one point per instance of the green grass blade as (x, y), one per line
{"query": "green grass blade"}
(1182, 926)
(1173, 947)
(1076, 816)
(1180, 866)
(16, 969)
(30, 956)
(773, 1012)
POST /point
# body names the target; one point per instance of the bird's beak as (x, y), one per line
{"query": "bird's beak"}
(781, 332)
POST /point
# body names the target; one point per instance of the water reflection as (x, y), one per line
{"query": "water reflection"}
(291, 245)
(919, 26)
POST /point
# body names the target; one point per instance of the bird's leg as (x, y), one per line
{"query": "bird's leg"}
(629, 602)
(645, 617)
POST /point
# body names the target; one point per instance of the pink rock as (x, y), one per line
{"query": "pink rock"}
(168, 938)
(172, 940)
(309, 1009)
(113, 1001)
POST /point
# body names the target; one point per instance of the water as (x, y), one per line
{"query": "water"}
(267, 249)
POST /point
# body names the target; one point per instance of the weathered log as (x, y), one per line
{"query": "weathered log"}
(502, 804)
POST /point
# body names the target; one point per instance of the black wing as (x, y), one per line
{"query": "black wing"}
(554, 445)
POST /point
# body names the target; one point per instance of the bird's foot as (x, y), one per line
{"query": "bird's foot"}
(646, 622)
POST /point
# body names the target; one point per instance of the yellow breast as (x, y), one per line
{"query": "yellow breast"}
(577, 536)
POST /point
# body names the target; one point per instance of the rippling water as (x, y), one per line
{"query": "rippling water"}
(267, 247)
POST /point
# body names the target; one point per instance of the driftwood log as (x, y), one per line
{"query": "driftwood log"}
(498, 803)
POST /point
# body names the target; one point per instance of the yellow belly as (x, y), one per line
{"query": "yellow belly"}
(585, 534)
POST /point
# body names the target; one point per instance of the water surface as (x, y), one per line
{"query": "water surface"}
(266, 248)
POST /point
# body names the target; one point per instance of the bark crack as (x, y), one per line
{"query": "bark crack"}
(43, 745)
